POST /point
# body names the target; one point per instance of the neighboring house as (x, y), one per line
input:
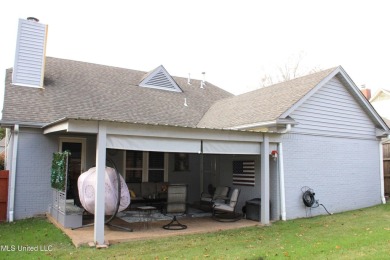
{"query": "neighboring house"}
(381, 102)
(2, 146)
(325, 134)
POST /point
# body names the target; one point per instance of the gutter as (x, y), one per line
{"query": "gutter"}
(266, 124)
(8, 124)
(381, 174)
(286, 130)
(13, 173)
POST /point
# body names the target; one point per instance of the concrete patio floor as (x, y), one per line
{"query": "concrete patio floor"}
(113, 235)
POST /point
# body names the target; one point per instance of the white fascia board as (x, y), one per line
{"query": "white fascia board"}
(161, 131)
(83, 126)
(89, 126)
(62, 126)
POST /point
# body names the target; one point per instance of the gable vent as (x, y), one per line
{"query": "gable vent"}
(159, 78)
(30, 53)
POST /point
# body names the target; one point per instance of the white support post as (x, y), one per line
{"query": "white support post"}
(100, 183)
(265, 183)
(281, 183)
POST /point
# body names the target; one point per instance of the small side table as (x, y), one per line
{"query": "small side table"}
(145, 214)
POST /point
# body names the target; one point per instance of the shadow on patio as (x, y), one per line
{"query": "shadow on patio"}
(113, 235)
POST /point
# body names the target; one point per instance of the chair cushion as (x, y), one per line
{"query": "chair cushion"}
(207, 199)
(221, 192)
(223, 207)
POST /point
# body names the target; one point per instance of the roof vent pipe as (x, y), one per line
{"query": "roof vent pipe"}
(33, 19)
(203, 82)
(189, 79)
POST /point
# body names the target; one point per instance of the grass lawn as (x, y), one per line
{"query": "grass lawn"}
(363, 234)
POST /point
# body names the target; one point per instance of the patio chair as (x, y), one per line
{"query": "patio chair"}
(220, 195)
(226, 212)
(176, 205)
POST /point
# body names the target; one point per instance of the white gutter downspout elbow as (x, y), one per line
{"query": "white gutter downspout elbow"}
(13, 174)
(381, 175)
(288, 129)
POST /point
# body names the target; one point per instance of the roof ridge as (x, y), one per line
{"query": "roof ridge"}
(294, 79)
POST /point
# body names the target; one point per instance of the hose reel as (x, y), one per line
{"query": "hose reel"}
(309, 199)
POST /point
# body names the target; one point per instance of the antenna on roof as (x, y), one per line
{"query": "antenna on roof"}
(185, 102)
(203, 82)
(189, 79)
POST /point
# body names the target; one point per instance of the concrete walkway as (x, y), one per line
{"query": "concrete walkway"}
(113, 235)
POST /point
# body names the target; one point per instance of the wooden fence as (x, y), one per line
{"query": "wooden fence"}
(386, 167)
(4, 175)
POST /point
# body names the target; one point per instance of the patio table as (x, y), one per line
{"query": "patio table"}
(145, 214)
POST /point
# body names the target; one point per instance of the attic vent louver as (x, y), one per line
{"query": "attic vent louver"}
(159, 78)
(30, 53)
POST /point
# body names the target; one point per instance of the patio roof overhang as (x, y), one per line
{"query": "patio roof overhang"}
(166, 138)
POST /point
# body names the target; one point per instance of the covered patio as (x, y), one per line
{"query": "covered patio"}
(112, 235)
(229, 144)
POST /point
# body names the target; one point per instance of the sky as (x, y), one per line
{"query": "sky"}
(235, 43)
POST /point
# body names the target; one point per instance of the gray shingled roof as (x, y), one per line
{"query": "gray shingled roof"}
(83, 90)
(262, 105)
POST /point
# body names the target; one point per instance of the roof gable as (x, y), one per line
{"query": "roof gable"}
(381, 94)
(159, 78)
(353, 90)
(262, 105)
(275, 103)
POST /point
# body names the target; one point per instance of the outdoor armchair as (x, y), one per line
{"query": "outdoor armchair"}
(220, 195)
(227, 211)
(176, 205)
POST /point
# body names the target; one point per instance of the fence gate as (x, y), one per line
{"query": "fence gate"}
(386, 167)
(3, 195)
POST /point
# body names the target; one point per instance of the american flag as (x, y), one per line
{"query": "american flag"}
(244, 173)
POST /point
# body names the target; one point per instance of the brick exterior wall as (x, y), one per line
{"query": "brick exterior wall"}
(33, 189)
(344, 173)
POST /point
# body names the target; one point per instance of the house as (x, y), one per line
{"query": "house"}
(316, 131)
(381, 102)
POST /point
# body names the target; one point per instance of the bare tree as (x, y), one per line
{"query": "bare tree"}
(293, 68)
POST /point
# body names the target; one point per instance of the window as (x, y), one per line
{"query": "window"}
(156, 167)
(145, 167)
(134, 165)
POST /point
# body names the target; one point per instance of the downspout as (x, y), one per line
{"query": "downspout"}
(281, 183)
(288, 129)
(382, 179)
(283, 213)
(201, 166)
(13, 174)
